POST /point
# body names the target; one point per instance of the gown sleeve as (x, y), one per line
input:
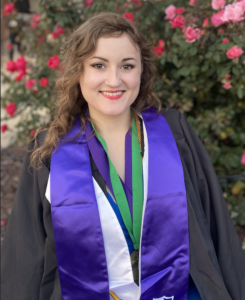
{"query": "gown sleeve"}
(24, 241)
(227, 246)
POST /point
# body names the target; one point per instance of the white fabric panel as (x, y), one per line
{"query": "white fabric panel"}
(48, 192)
(120, 273)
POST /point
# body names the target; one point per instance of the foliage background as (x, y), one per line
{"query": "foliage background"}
(190, 76)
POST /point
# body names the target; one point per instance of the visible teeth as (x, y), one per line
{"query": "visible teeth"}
(112, 94)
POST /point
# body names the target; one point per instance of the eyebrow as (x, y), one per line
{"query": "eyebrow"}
(104, 59)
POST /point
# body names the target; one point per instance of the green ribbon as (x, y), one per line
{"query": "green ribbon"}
(133, 226)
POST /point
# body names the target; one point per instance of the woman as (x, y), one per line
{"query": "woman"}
(121, 201)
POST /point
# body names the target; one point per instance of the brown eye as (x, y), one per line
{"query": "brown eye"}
(98, 66)
(128, 67)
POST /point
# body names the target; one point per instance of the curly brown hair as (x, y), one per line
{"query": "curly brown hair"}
(79, 46)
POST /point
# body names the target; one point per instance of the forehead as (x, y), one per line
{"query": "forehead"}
(116, 46)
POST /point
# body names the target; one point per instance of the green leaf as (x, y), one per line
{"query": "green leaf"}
(216, 57)
(240, 93)
(209, 55)
(235, 70)
(184, 71)
(193, 51)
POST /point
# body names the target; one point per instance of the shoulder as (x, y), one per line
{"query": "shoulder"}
(173, 117)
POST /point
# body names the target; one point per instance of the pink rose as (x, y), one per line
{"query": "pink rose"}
(178, 21)
(217, 18)
(21, 63)
(11, 66)
(30, 83)
(225, 41)
(205, 23)
(170, 12)
(53, 62)
(129, 16)
(243, 159)
(227, 76)
(233, 12)
(203, 31)
(192, 2)
(20, 75)
(4, 127)
(161, 43)
(88, 3)
(3, 222)
(8, 8)
(180, 10)
(32, 132)
(234, 52)
(192, 34)
(227, 85)
(9, 46)
(44, 81)
(159, 49)
(10, 109)
(221, 31)
(218, 4)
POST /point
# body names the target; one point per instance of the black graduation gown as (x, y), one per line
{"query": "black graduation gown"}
(217, 262)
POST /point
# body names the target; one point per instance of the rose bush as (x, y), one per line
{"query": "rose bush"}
(199, 55)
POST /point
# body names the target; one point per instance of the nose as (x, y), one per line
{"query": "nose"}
(113, 77)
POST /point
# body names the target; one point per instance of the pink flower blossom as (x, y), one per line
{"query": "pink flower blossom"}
(21, 63)
(30, 83)
(4, 127)
(221, 31)
(59, 30)
(34, 91)
(9, 46)
(11, 66)
(88, 3)
(20, 75)
(192, 34)
(10, 109)
(178, 21)
(129, 16)
(243, 159)
(205, 23)
(192, 2)
(227, 76)
(180, 10)
(234, 52)
(3, 222)
(170, 12)
(44, 81)
(159, 49)
(53, 62)
(218, 4)
(225, 41)
(33, 131)
(217, 18)
(203, 31)
(234, 12)
(227, 85)
(8, 8)
(161, 43)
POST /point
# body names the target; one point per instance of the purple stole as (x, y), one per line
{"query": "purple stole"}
(79, 246)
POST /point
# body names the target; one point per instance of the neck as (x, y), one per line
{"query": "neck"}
(111, 125)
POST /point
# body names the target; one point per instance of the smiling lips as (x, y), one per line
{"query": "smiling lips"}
(112, 95)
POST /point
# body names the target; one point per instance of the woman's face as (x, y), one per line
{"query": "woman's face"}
(110, 80)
